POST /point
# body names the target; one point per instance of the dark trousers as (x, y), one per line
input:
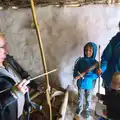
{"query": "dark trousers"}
(107, 90)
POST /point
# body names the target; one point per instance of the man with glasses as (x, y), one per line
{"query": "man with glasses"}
(13, 85)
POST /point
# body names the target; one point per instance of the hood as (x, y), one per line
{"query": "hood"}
(94, 49)
(115, 41)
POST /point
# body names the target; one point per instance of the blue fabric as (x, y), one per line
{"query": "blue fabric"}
(110, 60)
(82, 65)
(101, 118)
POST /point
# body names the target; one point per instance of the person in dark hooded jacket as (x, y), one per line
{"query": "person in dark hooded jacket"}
(110, 61)
(85, 83)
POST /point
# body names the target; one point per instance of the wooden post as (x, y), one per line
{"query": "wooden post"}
(99, 68)
(42, 55)
(63, 108)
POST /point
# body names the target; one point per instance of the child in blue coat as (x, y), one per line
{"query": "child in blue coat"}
(85, 83)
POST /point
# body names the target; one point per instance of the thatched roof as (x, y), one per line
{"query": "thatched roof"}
(26, 3)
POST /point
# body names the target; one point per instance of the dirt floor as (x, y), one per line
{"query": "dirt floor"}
(56, 103)
(71, 112)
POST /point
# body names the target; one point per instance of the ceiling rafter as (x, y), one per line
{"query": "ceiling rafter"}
(26, 3)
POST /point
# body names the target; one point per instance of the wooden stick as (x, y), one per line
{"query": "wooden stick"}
(57, 93)
(64, 105)
(88, 70)
(42, 56)
(99, 68)
(33, 78)
(42, 75)
(35, 95)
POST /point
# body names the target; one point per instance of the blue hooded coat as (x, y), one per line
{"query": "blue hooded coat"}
(83, 64)
(110, 60)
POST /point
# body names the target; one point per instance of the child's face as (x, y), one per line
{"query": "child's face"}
(89, 51)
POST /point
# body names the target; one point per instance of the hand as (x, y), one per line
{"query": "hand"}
(98, 71)
(78, 77)
(22, 86)
(81, 75)
(98, 95)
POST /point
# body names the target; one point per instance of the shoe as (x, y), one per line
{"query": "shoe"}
(87, 115)
(77, 117)
(90, 118)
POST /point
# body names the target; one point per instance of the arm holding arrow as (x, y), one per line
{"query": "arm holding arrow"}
(26, 82)
(81, 75)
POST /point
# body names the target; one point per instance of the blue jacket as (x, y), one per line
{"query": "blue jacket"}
(82, 65)
(110, 60)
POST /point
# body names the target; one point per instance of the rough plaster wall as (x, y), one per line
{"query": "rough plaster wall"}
(64, 32)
